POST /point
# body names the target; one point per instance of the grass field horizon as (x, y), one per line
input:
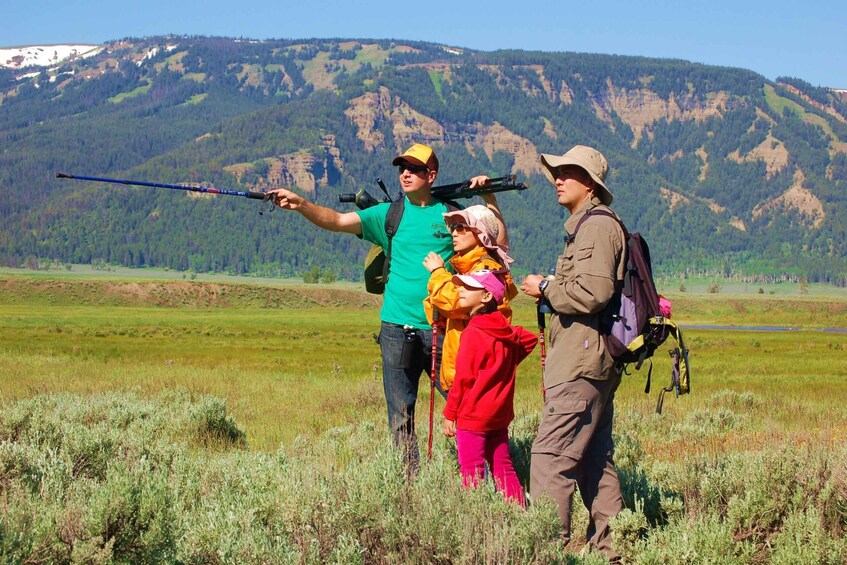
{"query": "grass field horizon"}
(666, 284)
(297, 373)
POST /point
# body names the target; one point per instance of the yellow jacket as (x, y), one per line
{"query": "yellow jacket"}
(444, 296)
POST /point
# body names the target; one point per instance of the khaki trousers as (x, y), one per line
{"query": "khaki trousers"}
(574, 448)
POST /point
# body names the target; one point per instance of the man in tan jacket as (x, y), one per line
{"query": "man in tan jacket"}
(574, 445)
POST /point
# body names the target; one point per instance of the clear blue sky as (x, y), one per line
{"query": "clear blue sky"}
(774, 38)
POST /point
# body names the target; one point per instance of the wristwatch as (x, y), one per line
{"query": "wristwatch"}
(543, 285)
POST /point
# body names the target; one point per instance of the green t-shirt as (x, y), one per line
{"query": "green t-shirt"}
(421, 230)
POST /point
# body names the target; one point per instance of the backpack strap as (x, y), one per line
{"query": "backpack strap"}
(597, 212)
(674, 386)
(621, 286)
(392, 223)
(680, 370)
(452, 206)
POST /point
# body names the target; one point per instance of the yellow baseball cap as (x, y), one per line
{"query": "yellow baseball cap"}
(418, 154)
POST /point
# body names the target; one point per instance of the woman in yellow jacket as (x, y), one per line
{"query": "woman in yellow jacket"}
(475, 231)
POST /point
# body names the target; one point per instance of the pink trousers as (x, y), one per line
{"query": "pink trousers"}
(478, 448)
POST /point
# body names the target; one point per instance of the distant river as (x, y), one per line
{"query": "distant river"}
(765, 328)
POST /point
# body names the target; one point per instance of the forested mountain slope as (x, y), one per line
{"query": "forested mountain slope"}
(721, 169)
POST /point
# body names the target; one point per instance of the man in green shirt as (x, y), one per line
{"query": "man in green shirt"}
(421, 230)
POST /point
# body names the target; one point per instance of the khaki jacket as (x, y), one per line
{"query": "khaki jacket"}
(585, 281)
(444, 295)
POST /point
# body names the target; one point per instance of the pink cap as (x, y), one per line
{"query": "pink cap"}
(485, 280)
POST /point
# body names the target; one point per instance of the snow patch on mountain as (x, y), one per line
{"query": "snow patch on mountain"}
(44, 55)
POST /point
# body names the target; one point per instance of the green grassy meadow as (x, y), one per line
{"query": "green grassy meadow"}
(283, 370)
(299, 359)
(296, 366)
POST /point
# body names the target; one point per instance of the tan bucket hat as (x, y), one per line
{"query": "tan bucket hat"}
(586, 158)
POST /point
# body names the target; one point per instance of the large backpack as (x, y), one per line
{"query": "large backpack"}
(632, 323)
(378, 260)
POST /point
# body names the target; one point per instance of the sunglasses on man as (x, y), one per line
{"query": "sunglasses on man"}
(414, 169)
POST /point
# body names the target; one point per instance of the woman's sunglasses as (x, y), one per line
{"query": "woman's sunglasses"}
(458, 228)
(414, 169)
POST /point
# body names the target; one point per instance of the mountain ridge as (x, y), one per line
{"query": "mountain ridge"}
(721, 155)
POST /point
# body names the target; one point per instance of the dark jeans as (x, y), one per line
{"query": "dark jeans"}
(401, 384)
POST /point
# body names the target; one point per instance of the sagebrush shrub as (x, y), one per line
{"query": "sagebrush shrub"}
(118, 478)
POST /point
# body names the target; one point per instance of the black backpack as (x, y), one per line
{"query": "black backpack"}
(632, 322)
(378, 260)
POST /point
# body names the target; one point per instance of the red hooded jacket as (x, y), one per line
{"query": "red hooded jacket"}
(482, 396)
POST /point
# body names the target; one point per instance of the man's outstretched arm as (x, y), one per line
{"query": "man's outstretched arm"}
(321, 216)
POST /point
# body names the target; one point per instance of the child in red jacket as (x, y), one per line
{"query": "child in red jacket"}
(480, 404)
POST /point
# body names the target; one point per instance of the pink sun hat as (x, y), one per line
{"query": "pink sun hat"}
(485, 225)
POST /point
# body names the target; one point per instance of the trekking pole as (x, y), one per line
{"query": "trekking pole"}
(432, 382)
(207, 189)
(542, 326)
(543, 307)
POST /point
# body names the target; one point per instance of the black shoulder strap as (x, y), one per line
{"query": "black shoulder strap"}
(624, 285)
(596, 212)
(392, 219)
(392, 222)
(451, 205)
